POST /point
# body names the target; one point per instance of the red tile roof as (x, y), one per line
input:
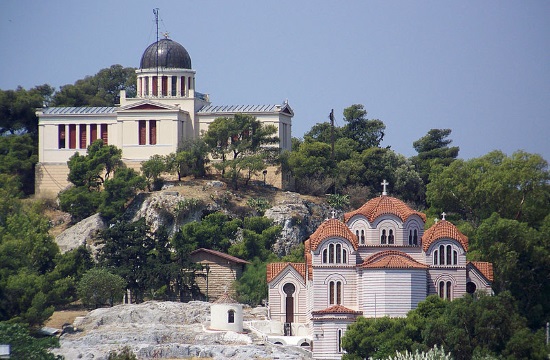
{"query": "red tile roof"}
(307, 256)
(383, 205)
(220, 254)
(337, 309)
(274, 269)
(485, 268)
(226, 299)
(332, 227)
(391, 259)
(443, 229)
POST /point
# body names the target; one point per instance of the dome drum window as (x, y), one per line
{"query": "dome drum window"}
(445, 255)
(335, 254)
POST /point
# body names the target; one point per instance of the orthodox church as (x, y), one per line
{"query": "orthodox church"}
(166, 110)
(378, 261)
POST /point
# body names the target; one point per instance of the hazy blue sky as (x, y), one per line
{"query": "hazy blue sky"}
(480, 68)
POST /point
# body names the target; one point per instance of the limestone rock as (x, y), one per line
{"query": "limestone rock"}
(82, 233)
(164, 330)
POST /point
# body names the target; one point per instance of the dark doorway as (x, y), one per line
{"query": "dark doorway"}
(289, 290)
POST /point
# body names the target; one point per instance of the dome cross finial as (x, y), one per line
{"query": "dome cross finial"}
(443, 214)
(384, 184)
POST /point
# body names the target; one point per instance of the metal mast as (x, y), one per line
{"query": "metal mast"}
(156, 12)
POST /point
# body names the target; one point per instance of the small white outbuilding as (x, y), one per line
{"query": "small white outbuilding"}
(226, 314)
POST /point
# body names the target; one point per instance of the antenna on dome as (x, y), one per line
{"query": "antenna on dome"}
(156, 12)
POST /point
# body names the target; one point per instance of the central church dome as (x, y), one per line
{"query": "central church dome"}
(170, 55)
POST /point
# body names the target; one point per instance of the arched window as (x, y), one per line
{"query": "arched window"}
(455, 257)
(357, 233)
(390, 237)
(339, 335)
(441, 290)
(325, 259)
(441, 255)
(338, 253)
(449, 254)
(331, 253)
(445, 290)
(448, 293)
(436, 257)
(362, 236)
(383, 237)
(231, 316)
(445, 255)
(410, 237)
(415, 237)
(344, 256)
(335, 292)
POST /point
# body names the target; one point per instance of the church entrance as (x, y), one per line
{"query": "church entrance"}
(289, 290)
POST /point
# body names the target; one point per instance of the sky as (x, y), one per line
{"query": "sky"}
(479, 68)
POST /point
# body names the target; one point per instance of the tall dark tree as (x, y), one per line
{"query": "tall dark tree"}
(367, 133)
(18, 156)
(433, 149)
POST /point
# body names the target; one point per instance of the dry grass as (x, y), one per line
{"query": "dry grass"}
(60, 318)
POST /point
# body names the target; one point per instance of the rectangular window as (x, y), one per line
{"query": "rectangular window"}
(72, 136)
(182, 85)
(152, 132)
(104, 134)
(164, 85)
(61, 136)
(93, 133)
(155, 86)
(142, 131)
(189, 83)
(146, 81)
(83, 136)
(174, 85)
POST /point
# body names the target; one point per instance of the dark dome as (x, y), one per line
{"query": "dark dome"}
(170, 55)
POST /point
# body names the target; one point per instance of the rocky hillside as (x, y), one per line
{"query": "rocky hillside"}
(182, 202)
(166, 330)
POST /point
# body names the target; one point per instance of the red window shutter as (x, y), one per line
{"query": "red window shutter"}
(104, 135)
(93, 132)
(152, 132)
(72, 136)
(82, 136)
(142, 132)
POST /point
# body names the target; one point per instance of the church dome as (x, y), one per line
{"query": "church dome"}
(383, 205)
(170, 55)
(443, 230)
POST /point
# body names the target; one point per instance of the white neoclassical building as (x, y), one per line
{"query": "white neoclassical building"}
(166, 110)
(379, 261)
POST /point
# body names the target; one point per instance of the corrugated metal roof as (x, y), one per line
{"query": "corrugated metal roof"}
(79, 110)
(240, 108)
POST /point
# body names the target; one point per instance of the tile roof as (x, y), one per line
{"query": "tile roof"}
(485, 268)
(308, 257)
(332, 227)
(82, 110)
(391, 259)
(383, 205)
(443, 229)
(337, 309)
(220, 254)
(226, 299)
(274, 269)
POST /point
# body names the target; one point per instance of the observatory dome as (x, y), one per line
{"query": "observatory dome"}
(170, 55)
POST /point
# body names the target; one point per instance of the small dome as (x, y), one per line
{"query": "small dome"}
(382, 205)
(329, 228)
(441, 230)
(170, 55)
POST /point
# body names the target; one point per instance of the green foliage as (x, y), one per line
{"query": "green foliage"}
(101, 89)
(152, 169)
(515, 187)
(313, 167)
(191, 158)
(25, 346)
(234, 140)
(338, 201)
(258, 236)
(118, 191)
(433, 149)
(18, 156)
(295, 255)
(251, 288)
(125, 354)
(470, 327)
(79, 202)
(435, 353)
(367, 133)
(99, 287)
(260, 205)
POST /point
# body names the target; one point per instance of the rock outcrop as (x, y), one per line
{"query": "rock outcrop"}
(165, 330)
(82, 233)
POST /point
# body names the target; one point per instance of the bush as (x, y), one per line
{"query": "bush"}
(99, 287)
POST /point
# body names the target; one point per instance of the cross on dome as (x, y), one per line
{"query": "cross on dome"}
(384, 184)
(443, 214)
(333, 214)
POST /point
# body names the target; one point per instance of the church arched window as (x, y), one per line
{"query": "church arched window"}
(362, 237)
(338, 253)
(436, 257)
(325, 254)
(231, 316)
(344, 256)
(331, 253)
(410, 237)
(415, 237)
(445, 289)
(335, 292)
(441, 255)
(391, 239)
(383, 237)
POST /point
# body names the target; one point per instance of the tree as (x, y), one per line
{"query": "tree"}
(18, 156)
(516, 187)
(99, 287)
(18, 109)
(433, 149)
(312, 167)
(118, 191)
(25, 346)
(101, 89)
(152, 169)
(251, 287)
(324, 132)
(125, 252)
(367, 133)
(233, 139)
